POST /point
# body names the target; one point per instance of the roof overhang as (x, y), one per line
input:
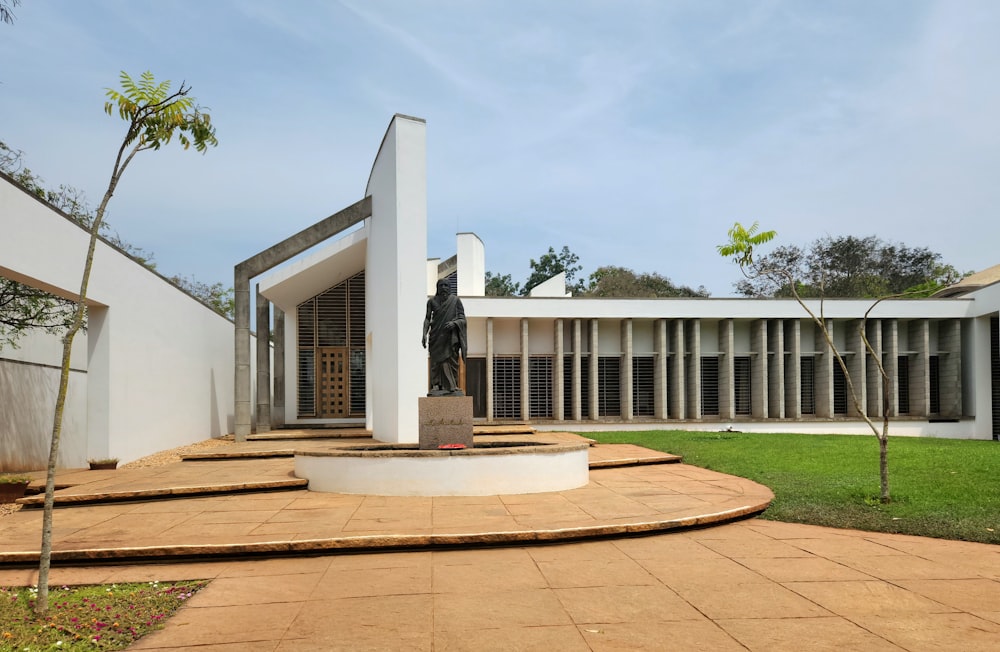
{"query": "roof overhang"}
(314, 274)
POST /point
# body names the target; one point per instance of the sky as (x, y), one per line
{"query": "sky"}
(635, 132)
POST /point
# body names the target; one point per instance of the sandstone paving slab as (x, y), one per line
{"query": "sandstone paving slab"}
(934, 632)
(195, 626)
(963, 594)
(502, 609)
(825, 634)
(688, 635)
(394, 622)
(803, 569)
(564, 638)
(625, 604)
(575, 573)
(763, 599)
(867, 597)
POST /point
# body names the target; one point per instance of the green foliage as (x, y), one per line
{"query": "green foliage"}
(742, 243)
(848, 266)
(108, 617)
(155, 115)
(501, 285)
(943, 488)
(551, 263)
(217, 296)
(612, 281)
(23, 307)
(6, 15)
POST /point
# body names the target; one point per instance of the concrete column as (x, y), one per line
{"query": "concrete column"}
(793, 368)
(625, 382)
(950, 367)
(263, 363)
(692, 353)
(726, 343)
(278, 414)
(824, 373)
(558, 379)
(525, 371)
(775, 369)
(489, 369)
(241, 299)
(758, 369)
(676, 392)
(576, 383)
(855, 361)
(920, 392)
(890, 360)
(873, 379)
(595, 388)
(660, 357)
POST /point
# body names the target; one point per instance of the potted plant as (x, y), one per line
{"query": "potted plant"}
(13, 486)
(103, 463)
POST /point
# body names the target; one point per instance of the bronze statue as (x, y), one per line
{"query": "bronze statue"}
(444, 330)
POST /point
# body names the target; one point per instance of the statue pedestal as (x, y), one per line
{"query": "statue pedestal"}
(445, 420)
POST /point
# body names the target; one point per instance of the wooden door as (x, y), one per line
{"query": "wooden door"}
(334, 394)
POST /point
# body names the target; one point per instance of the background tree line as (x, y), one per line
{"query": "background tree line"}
(831, 266)
(607, 281)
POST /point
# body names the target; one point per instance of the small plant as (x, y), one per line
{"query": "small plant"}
(14, 478)
(103, 460)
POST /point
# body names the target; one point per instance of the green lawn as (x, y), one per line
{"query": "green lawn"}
(940, 487)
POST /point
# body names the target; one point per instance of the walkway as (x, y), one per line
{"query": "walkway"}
(744, 584)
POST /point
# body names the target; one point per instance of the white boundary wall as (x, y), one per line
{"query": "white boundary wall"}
(159, 364)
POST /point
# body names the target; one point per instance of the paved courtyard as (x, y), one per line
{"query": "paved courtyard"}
(706, 579)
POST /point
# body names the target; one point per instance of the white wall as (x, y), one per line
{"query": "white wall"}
(159, 363)
(396, 282)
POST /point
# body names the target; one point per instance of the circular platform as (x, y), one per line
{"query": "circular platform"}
(404, 470)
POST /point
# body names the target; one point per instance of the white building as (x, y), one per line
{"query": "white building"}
(351, 315)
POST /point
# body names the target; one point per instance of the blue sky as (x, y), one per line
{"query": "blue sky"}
(634, 132)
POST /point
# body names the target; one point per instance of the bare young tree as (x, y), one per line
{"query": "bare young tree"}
(742, 248)
(155, 115)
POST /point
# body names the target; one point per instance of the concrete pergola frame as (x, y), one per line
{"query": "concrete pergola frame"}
(255, 266)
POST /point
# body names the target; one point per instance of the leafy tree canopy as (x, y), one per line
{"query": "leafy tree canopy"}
(501, 285)
(848, 266)
(612, 281)
(551, 263)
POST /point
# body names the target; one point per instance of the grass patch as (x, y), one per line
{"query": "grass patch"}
(942, 488)
(93, 617)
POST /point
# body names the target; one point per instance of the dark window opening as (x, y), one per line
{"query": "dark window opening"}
(710, 385)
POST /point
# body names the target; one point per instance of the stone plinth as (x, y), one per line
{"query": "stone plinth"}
(445, 420)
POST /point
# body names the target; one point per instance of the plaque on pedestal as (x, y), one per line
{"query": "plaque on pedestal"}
(445, 420)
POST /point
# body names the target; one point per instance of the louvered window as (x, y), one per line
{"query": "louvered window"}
(609, 394)
(839, 389)
(642, 386)
(903, 384)
(935, 385)
(506, 387)
(568, 386)
(331, 317)
(540, 386)
(307, 382)
(995, 373)
(741, 385)
(807, 384)
(710, 385)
